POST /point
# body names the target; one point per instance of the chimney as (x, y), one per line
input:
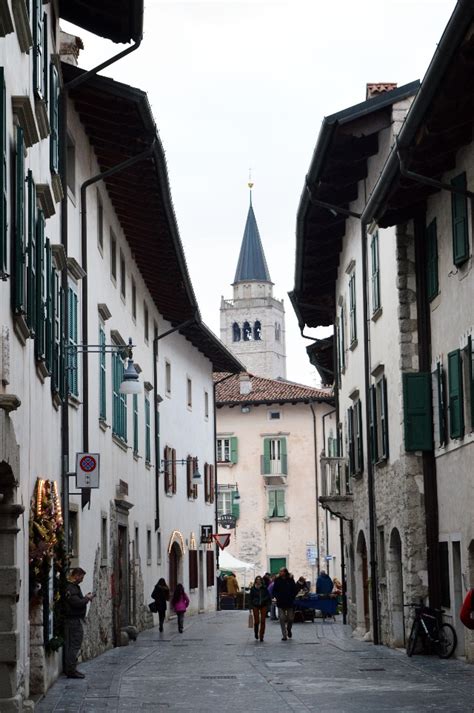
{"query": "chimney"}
(70, 47)
(245, 384)
(373, 90)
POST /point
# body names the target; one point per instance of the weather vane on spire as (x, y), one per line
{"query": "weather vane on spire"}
(250, 184)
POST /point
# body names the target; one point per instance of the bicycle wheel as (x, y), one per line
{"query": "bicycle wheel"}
(411, 643)
(447, 641)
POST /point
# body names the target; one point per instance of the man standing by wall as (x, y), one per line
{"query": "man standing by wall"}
(74, 614)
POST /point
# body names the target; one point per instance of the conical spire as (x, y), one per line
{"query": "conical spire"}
(252, 264)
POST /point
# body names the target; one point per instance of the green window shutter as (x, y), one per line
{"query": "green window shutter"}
(374, 248)
(455, 394)
(342, 340)
(3, 176)
(54, 120)
(272, 503)
(102, 376)
(284, 456)
(470, 370)
(418, 422)
(135, 423)
(280, 503)
(147, 431)
(72, 343)
(384, 418)
(441, 394)
(37, 21)
(40, 288)
(18, 244)
(373, 424)
(45, 67)
(352, 308)
(350, 439)
(459, 221)
(56, 336)
(266, 457)
(359, 439)
(31, 271)
(233, 450)
(235, 506)
(49, 279)
(432, 285)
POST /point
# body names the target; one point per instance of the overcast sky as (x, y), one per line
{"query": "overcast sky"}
(239, 84)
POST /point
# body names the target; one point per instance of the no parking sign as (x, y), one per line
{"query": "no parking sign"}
(87, 470)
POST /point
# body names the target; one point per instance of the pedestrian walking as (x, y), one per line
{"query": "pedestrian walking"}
(273, 616)
(180, 603)
(260, 600)
(324, 583)
(161, 595)
(232, 586)
(75, 608)
(284, 592)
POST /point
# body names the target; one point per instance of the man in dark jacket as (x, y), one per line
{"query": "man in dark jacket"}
(74, 613)
(284, 591)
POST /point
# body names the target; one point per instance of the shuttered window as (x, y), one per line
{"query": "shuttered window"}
(193, 569)
(432, 285)
(418, 422)
(455, 395)
(210, 569)
(374, 251)
(208, 483)
(167, 469)
(119, 401)
(102, 376)
(135, 424)
(57, 369)
(189, 476)
(341, 347)
(355, 439)
(468, 361)
(31, 255)
(438, 382)
(54, 120)
(38, 49)
(235, 504)
(72, 366)
(40, 334)
(49, 331)
(274, 459)
(3, 176)
(18, 245)
(276, 503)
(459, 221)
(352, 308)
(373, 425)
(147, 431)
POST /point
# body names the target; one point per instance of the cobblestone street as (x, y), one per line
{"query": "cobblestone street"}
(217, 663)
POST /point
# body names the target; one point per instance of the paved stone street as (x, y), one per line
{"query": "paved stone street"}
(217, 665)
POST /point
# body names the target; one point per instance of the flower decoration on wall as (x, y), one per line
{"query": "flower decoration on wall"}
(46, 533)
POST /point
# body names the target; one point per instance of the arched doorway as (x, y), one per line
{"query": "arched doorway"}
(395, 592)
(362, 584)
(175, 559)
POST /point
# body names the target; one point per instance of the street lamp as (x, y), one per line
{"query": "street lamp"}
(130, 383)
(197, 477)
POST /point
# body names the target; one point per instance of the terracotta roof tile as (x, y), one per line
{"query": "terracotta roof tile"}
(266, 391)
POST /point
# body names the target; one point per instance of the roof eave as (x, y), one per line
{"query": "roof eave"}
(122, 28)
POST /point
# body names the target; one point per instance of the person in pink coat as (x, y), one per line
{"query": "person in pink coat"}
(180, 602)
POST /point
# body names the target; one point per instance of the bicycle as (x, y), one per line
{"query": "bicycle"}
(427, 628)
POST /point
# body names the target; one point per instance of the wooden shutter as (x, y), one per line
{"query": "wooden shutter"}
(45, 66)
(374, 247)
(147, 430)
(40, 288)
(167, 468)
(173, 469)
(3, 175)
(206, 482)
(193, 569)
(49, 307)
(284, 456)
(359, 440)
(233, 450)
(54, 120)
(455, 393)
(350, 439)
(266, 456)
(470, 370)
(459, 221)
(352, 308)
(37, 21)
(271, 503)
(211, 484)
(102, 376)
(210, 568)
(432, 285)
(384, 417)
(18, 244)
(135, 423)
(235, 505)
(189, 476)
(441, 395)
(195, 468)
(56, 306)
(280, 503)
(418, 422)
(373, 423)
(31, 272)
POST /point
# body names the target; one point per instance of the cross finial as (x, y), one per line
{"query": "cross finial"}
(250, 184)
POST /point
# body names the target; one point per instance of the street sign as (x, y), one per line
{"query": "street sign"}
(206, 534)
(228, 521)
(222, 539)
(311, 554)
(87, 470)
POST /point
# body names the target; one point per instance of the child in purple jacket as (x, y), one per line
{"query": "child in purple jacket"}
(180, 602)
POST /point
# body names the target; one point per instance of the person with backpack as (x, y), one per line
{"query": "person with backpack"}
(161, 595)
(180, 602)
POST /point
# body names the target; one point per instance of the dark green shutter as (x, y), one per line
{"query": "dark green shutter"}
(350, 439)
(40, 289)
(72, 343)
(102, 376)
(31, 272)
(3, 176)
(459, 221)
(384, 418)
(352, 308)
(373, 424)
(233, 450)
(284, 456)
(360, 440)
(235, 505)
(374, 246)
(147, 431)
(135, 423)
(54, 119)
(56, 307)
(470, 370)
(45, 78)
(455, 392)
(266, 456)
(441, 404)
(18, 252)
(432, 285)
(49, 278)
(418, 421)
(37, 21)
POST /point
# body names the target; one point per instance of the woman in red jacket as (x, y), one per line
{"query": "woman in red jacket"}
(180, 603)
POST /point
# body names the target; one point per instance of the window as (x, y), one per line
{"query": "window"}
(468, 364)
(235, 332)
(122, 276)
(455, 395)
(193, 569)
(58, 365)
(41, 287)
(432, 285)
(341, 356)
(355, 442)
(134, 300)
(113, 256)
(378, 421)
(352, 309)
(206, 405)
(119, 401)
(191, 468)
(459, 221)
(274, 415)
(226, 501)
(277, 332)
(208, 483)
(168, 377)
(71, 165)
(100, 222)
(147, 431)
(374, 251)
(31, 255)
(257, 331)
(135, 424)
(18, 243)
(146, 326)
(102, 376)
(54, 119)
(247, 332)
(227, 450)
(274, 459)
(136, 545)
(276, 503)
(40, 34)
(210, 568)
(72, 370)
(169, 468)
(438, 387)
(417, 417)
(276, 563)
(3, 176)
(148, 546)
(189, 392)
(103, 540)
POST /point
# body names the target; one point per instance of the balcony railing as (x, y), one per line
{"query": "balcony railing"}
(335, 480)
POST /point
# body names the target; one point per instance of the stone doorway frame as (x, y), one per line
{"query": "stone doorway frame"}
(396, 588)
(362, 584)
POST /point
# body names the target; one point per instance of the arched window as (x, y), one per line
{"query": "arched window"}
(247, 332)
(257, 331)
(235, 332)
(277, 332)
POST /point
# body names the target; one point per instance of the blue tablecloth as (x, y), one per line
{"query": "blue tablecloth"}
(324, 603)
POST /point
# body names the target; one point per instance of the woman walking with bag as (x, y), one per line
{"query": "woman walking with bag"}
(180, 603)
(260, 600)
(161, 595)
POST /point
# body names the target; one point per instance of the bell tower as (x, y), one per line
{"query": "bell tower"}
(253, 321)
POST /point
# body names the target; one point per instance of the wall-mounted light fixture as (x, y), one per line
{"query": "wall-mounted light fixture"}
(130, 383)
(197, 477)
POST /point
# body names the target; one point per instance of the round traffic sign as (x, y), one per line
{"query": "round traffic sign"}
(88, 463)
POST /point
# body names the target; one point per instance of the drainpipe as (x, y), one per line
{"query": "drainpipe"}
(85, 493)
(425, 180)
(92, 72)
(316, 485)
(156, 339)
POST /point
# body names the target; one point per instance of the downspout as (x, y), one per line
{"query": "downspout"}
(425, 180)
(85, 492)
(156, 339)
(92, 72)
(316, 485)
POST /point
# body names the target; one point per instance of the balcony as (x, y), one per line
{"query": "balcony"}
(274, 471)
(336, 493)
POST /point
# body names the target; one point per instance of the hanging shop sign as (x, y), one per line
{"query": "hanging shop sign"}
(87, 470)
(228, 521)
(222, 539)
(206, 534)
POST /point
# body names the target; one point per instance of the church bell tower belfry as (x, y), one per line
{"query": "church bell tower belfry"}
(253, 322)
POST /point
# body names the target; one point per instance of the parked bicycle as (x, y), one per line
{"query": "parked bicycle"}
(428, 629)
